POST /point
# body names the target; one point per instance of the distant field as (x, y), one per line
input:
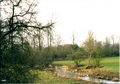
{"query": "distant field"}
(109, 63)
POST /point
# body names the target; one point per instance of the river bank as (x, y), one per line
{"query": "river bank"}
(97, 72)
(92, 71)
(52, 71)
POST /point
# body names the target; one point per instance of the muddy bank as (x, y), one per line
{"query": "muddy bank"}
(92, 71)
(51, 70)
(96, 72)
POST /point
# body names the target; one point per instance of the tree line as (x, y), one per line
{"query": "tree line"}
(94, 50)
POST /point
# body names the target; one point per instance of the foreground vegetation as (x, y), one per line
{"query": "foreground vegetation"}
(108, 63)
(29, 75)
(46, 77)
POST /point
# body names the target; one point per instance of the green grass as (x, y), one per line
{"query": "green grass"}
(66, 62)
(69, 62)
(109, 63)
(46, 77)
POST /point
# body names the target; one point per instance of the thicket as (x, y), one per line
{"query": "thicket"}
(21, 42)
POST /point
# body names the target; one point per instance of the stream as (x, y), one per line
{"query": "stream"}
(68, 73)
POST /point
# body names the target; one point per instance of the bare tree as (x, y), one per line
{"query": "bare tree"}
(21, 20)
(19, 14)
(40, 39)
(113, 40)
(57, 39)
(73, 38)
(107, 46)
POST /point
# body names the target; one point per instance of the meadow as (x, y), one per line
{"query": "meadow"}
(108, 63)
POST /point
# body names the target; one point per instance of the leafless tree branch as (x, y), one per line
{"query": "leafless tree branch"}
(18, 3)
(1, 0)
(13, 24)
(24, 25)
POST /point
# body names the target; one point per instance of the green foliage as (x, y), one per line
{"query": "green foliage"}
(19, 56)
(96, 58)
(77, 57)
(75, 47)
(110, 50)
(97, 53)
(61, 51)
(17, 74)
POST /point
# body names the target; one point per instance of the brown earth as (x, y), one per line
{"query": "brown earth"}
(97, 72)
(93, 71)
(51, 71)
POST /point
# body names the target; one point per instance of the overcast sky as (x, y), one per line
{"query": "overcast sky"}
(101, 16)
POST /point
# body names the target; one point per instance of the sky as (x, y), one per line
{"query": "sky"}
(79, 16)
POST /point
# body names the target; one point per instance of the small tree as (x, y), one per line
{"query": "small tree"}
(113, 45)
(88, 44)
(73, 38)
(107, 46)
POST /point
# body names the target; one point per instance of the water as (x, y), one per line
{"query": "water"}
(71, 74)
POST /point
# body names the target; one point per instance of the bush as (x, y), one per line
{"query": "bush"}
(97, 55)
(17, 74)
(96, 59)
(77, 57)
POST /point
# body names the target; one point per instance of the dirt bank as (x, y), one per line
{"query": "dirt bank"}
(97, 72)
(52, 68)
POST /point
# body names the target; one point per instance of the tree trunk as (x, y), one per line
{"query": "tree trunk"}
(22, 42)
(89, 59)
(48, 45)
(39, 38)
(0, 47)
(12, 43)
(34, 42)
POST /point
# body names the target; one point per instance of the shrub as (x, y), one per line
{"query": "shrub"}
(77, 57)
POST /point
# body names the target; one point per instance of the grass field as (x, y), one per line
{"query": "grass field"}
(109, 63)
